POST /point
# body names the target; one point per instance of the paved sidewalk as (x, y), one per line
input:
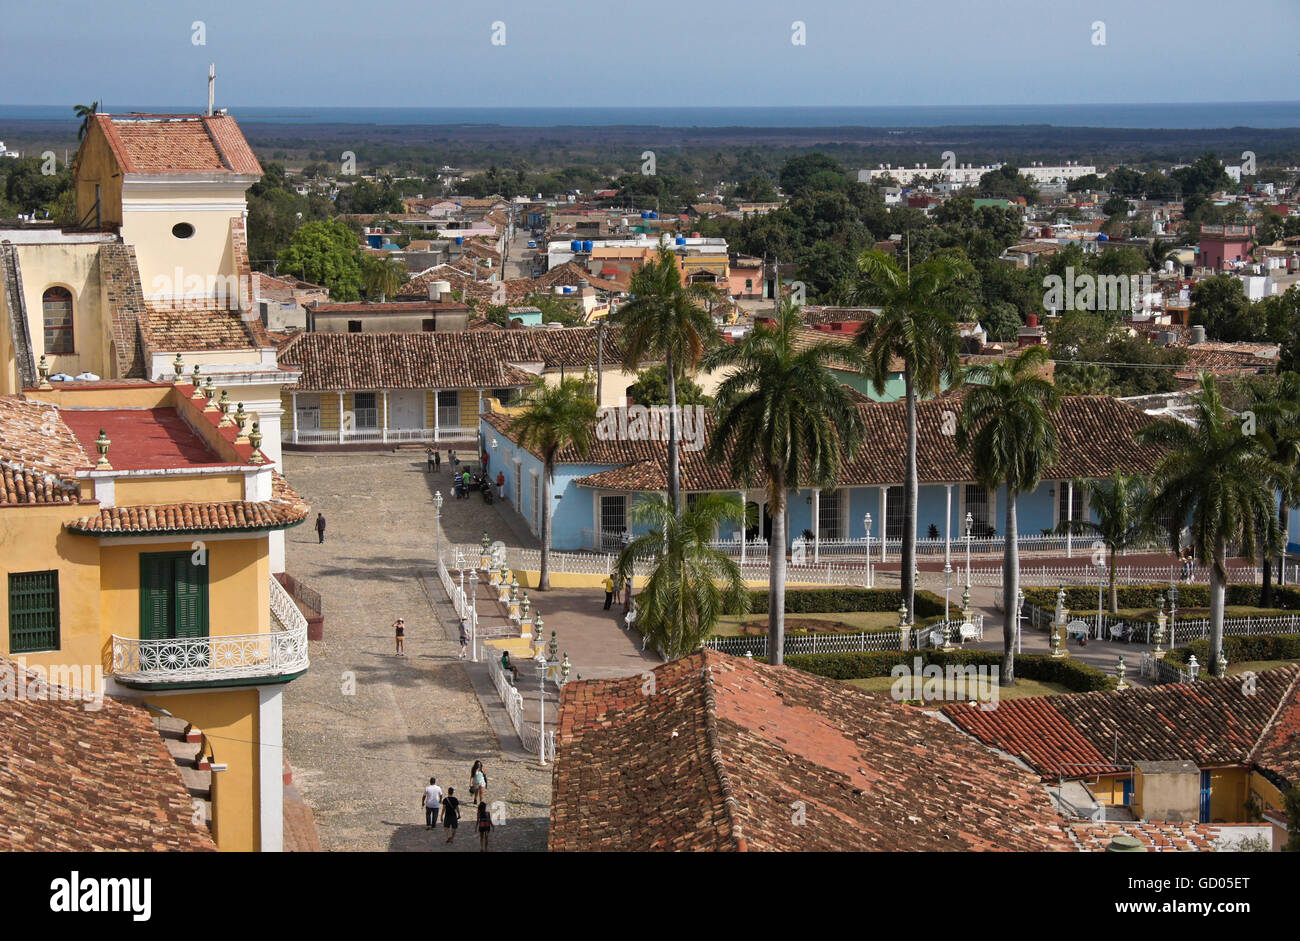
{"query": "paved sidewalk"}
(365, 729)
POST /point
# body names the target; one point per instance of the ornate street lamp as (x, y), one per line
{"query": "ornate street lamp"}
(970, 523)
(947, 587)
(473, 619)
(866, 524)
(539, 663)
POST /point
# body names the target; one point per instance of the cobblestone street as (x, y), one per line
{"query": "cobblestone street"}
(362, 758)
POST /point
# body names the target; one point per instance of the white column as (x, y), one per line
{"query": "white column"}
(294, 397)
(340, 418)
(744, 523)
(270, 766)
(947, 528)
(479, 408)
(1069, 519)
(435, 415)
(384, 426)
(884, 520)
(817, 524)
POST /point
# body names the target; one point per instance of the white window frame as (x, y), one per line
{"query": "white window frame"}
(830, 525)
(1080, 502)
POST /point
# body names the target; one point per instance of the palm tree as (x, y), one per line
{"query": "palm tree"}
(1217, 476)
(785, 420)
(86, 113)
(381, 276)
(1275, 403)
(692, 585)
(557, 418)
(663, 320)
(917, 324)
(1006, 426)
(1120, 505)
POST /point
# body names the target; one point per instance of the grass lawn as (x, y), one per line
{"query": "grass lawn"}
(1023, 687)
(734, 625)
(1254, 666)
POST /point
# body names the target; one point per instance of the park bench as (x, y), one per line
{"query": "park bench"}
(1121, 632)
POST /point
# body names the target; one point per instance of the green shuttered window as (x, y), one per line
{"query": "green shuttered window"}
(173, 596)
(33, 611)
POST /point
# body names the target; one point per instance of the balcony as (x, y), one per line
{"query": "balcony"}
(277, 655)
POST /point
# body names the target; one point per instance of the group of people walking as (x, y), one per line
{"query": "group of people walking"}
(447, 806)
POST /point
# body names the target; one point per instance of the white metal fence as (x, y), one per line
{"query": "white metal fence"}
(461, 601)
(374, 435)
(1052, 576)
(859, 642)
(530, 734)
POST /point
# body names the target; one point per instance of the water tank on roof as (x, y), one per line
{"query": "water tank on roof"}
(681, 240)
(575, 245)
(1103, 237)
(460, 240)
(568, 289)
(654, 215)
(588, 245)
(644, 214)
(1198, 334)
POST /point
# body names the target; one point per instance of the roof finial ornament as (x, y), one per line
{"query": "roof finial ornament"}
(101, 445)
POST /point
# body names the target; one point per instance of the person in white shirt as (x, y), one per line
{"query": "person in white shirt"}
(431, 801)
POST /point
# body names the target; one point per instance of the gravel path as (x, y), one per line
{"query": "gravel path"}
(365, 729)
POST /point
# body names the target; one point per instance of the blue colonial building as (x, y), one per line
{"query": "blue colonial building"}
(592, 494)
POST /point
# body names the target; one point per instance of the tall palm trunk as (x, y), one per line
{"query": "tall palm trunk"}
(1114, 590)
(1218, 589)
(909, 502)
(1283, 521)
(1010, 591)
(544, 524)
(776, 575)
(674, 472)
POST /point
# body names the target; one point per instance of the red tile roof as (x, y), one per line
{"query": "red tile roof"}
(38, 454)
(1211, 722)
(728, 754)
(178, 144)
(141, 437)
(77, 779)
(1158, 836)
(190, 328)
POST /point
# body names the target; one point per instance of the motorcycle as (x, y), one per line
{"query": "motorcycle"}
(486, 486)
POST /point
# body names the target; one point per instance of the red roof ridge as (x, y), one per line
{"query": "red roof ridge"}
(729, 802)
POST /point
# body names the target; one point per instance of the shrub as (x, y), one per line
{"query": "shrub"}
(1070, 673)
(836, 600)
(1241, 649)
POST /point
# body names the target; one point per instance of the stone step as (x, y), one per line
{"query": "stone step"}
(170, 728)
(185, 754)
(198, 783)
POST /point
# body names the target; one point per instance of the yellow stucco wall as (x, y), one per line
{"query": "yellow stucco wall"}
(134, 491)
(169, 264)
(32, 539)
(95, 164)
(239, 596)
(1228, 790)
(229, 718)
(76, 268)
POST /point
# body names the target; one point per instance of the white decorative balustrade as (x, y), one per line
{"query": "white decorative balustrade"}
(281, 651)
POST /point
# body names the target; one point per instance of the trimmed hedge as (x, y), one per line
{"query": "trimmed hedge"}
(1240, 649)
(837, 600)
(1070, 673)
(1084, 597)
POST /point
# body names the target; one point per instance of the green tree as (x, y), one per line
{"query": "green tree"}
(786, 422)
(326, 253)
(800, 172)
(556, 418)
(1120, 505)
(1220, 305)
(692, 584)
(664, 321)
(917, 324)
(1002, 322)
(1275, 407)
(651, 389)
(87, 114)
(381, 277)
(1006, 425)
(1216, 476)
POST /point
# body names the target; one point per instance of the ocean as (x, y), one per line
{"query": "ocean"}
(1181, 116)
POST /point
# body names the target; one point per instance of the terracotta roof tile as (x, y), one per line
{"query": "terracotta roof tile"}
(38, 454)
(178, 144)
(285, 508)
(193, 328)
(81, 780)
(726, 753)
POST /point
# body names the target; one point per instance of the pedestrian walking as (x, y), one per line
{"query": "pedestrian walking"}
(399, 635)
(320, 526)
(464, 639)
(608, 585)
(432, 801)
(627, 594)
(478, 782)
(437, 460)
(430, 462)
(464, 480)
(501, 484)
(450, 813)
(484, 826)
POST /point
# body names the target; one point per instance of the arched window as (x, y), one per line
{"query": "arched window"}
(56, 305)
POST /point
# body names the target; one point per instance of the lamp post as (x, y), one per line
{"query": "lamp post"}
(970, 523)
(866, 523)
(437, 521)
(947, 587)
(473, 616)
(1101, 582)
(539, 662)
(1020, 606)
(1173, 611)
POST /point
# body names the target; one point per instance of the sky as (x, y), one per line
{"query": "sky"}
(433, 53)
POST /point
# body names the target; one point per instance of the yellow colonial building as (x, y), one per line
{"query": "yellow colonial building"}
(135, 544)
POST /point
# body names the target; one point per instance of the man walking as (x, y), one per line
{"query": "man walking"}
(320, 526)
(501, 485)
(450, 813)
(608, 585)
(464, 639)
(432, 800)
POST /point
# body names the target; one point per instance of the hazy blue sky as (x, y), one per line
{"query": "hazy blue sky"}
(649, 52)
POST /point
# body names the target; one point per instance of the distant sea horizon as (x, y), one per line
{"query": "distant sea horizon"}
(1171, 116)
